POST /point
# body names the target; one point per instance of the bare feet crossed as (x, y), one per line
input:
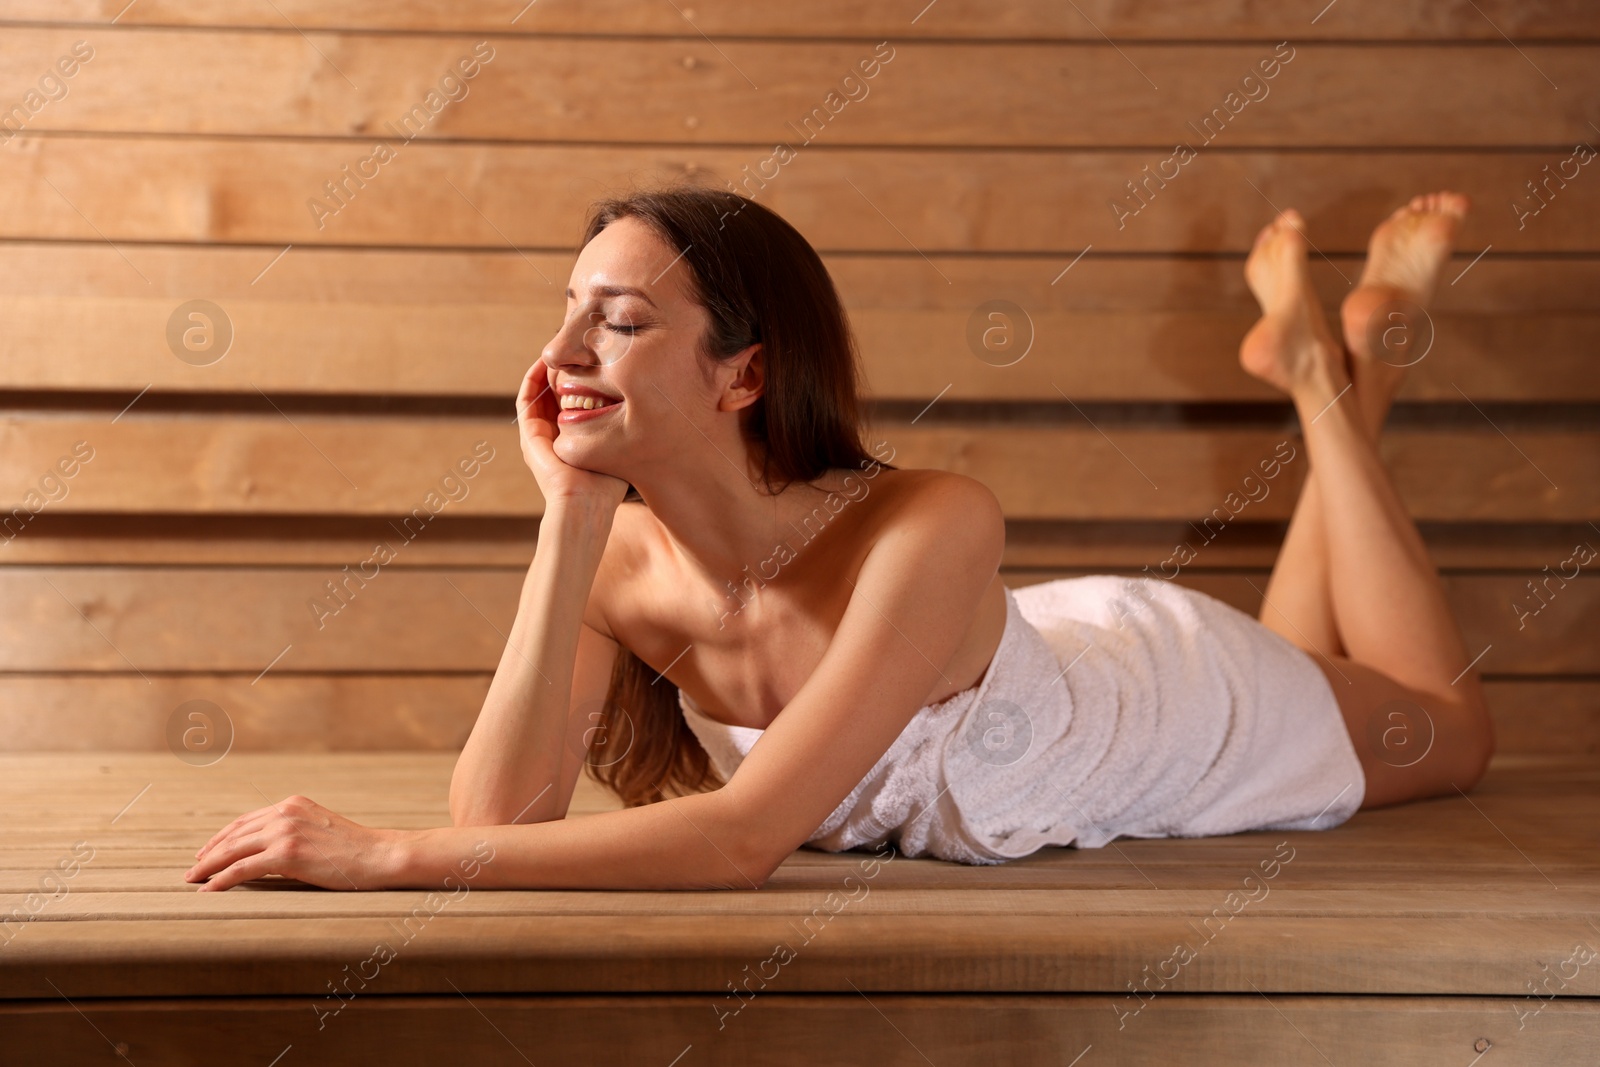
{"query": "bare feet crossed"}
(1290, 347)
(1385, 323)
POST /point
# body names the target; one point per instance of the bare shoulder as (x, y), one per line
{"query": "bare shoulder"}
(919, 502)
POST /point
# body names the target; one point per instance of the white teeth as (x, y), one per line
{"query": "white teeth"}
(571, 401)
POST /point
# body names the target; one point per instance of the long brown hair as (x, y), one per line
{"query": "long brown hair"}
(760, 281)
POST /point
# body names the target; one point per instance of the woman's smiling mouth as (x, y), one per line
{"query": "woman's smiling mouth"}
(580, 403)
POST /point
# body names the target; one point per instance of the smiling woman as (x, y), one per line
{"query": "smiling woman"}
(700, 399)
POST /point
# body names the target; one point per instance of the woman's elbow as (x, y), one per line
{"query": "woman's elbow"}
(495, 817)
(476, 811)
(764, 856)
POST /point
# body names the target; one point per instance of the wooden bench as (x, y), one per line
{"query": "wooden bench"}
(1418, 934)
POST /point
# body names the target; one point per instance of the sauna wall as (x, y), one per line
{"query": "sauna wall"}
(240, 344)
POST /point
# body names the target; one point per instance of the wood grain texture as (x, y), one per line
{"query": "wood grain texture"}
(149, 620)
(1065, 920)
(903, 1030)
(765, 92)
(348, 711)
(316, 464)
(1089, 20)
(332, 321)
(960, 1031)
(229, 191)
(476, 542)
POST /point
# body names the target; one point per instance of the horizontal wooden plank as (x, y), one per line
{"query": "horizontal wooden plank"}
(1545, 717)
(957, 953)
(99, 902)
(373, 87)
(274, 540)
(231, 191)
(905, 1030)
(149, 620)
(496, 280)
(345, 712)
(280, 712)
(1091, 20)
(322, 321)
(314, 464)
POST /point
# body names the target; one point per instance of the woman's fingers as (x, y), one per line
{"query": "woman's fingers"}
(243, 823)
(250, 822)
(534, 399)
(254, 866)
(296, 838)
(229, 852)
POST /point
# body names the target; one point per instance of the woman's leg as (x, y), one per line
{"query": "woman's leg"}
(1381, 333)
(1407, 668)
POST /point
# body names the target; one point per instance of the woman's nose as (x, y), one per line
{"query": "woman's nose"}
(571, 346)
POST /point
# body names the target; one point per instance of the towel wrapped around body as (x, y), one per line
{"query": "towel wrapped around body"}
(1114, 707)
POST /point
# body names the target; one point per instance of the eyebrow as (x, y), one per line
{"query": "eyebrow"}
(617, 290)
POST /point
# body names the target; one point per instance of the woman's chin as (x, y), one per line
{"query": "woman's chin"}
(584, 455)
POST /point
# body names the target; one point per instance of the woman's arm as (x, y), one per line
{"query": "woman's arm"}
(694, 842)
(912, 603)
(523, 756)
(690, 842)
(522, 759)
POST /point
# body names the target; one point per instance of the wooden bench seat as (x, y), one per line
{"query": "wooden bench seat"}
(1405, 936)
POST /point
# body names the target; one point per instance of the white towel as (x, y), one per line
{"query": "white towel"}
(1114, 707)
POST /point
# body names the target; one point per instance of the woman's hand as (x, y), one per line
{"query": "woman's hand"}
(298, 838)
(536, 425)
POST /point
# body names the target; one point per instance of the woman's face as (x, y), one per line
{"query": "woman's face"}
(631, 335)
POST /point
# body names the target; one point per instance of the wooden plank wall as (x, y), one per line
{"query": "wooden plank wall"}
(174, 513)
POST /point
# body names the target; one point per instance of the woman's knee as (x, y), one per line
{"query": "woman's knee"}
(1412, 744)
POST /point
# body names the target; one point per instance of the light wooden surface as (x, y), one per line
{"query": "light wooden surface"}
(1457, 900)
(740, 91)
(1486, 20)
(1050, 204)
(335, 321)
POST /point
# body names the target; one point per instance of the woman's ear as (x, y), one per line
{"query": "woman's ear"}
(749, 379)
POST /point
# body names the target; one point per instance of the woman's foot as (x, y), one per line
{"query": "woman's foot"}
(1386, 325)
(1290, 347)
